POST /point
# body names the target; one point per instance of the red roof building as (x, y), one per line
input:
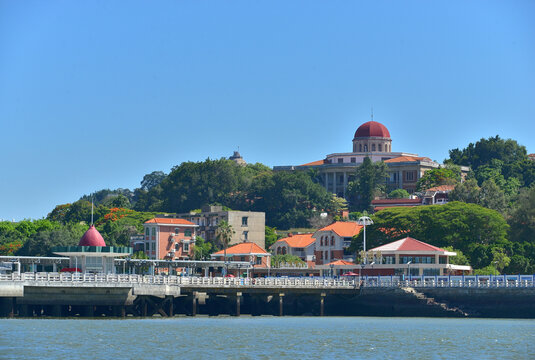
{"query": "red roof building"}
(411, 256)
(301, 245)
(167, 238)
(333, 241)
(246, 251)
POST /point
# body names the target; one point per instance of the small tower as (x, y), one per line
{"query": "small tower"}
(237, 158)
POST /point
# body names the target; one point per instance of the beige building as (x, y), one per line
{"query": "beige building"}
(249, 226)
(372, 139)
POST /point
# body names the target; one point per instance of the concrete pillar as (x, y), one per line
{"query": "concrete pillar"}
(194, 304)
(238, 303)
(171, 306)
(345, 183)
(57, 310)
(281, 304)
(12, 307)
(144, 308)
(322, 304)
(334, 183)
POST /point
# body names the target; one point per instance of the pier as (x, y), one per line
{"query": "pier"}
(122, 295)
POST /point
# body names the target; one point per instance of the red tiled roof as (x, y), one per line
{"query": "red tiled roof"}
(379, 208)
(342, 263)
(407, 159)
(319, 162)
(442, 188)
(407, 244)
(242, 249)
(372, 128)
(92, 238)
(343, 228)
(396, 201)
(298, 241)
(169, 221)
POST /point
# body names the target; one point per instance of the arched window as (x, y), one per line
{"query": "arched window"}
(153, 231)
(332, 240)
(365, 148)
(360, 147)
(380, 147)
(373, 147)
(284, 250)
(321, 241)
(147, 231)
(278, 251)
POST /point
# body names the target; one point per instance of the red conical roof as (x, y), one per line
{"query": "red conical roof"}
(372, 129)
(92, 238)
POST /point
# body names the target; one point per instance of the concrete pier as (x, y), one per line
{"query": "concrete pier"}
(171, 296)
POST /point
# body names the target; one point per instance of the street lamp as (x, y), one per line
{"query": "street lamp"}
(409, 270)
(364, 220)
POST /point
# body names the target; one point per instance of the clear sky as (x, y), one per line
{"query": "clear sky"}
(96, 94)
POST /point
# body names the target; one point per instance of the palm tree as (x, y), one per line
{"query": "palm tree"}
(224, 234)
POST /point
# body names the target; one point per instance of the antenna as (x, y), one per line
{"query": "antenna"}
(91, 209)
(372, 113)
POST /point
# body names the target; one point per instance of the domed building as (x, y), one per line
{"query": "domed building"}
(92, 255)
(372, 139)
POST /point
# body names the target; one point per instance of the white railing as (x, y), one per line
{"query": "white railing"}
(516, 281)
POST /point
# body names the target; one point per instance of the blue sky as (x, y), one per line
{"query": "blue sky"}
(96, 94)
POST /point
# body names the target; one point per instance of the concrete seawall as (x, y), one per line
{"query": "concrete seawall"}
(27, 299)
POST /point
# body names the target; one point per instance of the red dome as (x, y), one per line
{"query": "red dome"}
(372, 129)
(92, 238)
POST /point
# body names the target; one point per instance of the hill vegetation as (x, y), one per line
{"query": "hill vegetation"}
(491, 222)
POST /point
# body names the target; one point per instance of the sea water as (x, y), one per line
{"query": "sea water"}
(267, 338)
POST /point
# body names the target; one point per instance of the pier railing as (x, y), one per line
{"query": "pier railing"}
(47, 278)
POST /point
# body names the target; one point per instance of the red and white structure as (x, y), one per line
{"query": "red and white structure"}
(414, 257)
(300, 245)
(167, 238)
(333, 241)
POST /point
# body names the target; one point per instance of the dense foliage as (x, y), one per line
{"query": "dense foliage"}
(370, 181)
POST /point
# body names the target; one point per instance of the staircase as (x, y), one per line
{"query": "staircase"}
(432, 302)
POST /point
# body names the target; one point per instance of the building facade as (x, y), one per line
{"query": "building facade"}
(372, 139)
(300, 245)
(167, 238)
(249, 226)
(248, 252)
(333, 241)
(409, 256)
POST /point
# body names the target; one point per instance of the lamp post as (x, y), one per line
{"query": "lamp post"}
(332, 267)
(364, 220)
(409, 270)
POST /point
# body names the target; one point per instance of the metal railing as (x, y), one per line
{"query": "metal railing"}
(50, 278)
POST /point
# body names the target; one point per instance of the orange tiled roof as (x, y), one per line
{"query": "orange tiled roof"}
(344, 229)
(319, 162)
(407, 159)
(342, 263)
(169, 221)
(407, 244)
(245, 248)
(298, 241)
(442, 188)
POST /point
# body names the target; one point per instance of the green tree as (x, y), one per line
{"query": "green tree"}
(224, 234)
(286, 260)
(42, 242)
(522, 220)
(467, 191)
(399, 194)
(369, 182)
(492, 197)
(500, 259)
(151, 180)
(202, 249)
(487, 270)
(459, 259)
(437, 177)
(271, 236)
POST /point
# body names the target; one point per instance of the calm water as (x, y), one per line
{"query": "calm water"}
(267, 338)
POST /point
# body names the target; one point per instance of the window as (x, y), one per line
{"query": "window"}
(177, 246)
(244, 220)
(360, 147)
(185, 247)
(365, 148)
(242, 258)
(245, 235)
(410, 175)
(177, 230)
(340, 160)
(284, 250)
(353, 160)
(321, 241)
(332, 240)
(259, 261)
(147, 231)
(153, 231)
(187, 232)
(380, 147)
(373, 147)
